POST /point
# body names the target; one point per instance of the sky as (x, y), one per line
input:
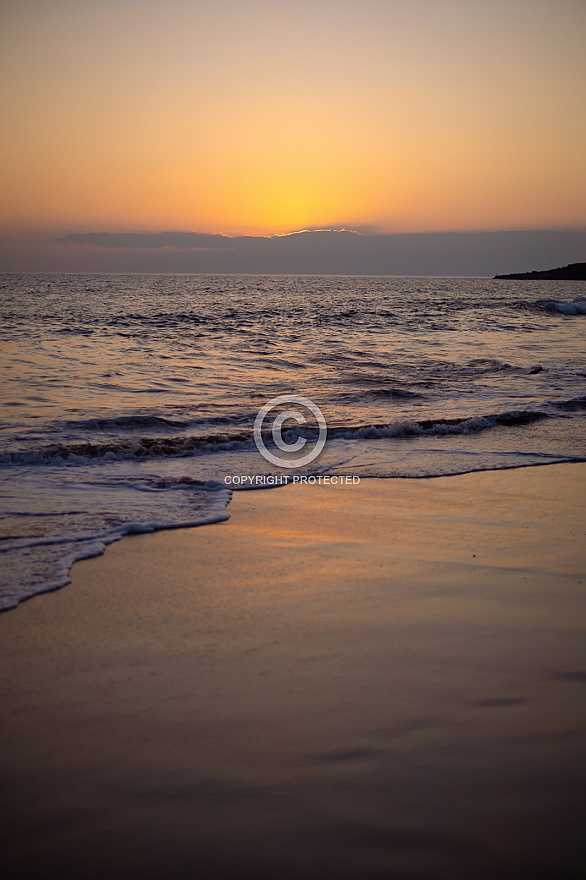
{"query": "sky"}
(265, 117)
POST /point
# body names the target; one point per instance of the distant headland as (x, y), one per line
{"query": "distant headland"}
(572, 272)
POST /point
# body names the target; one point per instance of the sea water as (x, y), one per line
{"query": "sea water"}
(128, 401)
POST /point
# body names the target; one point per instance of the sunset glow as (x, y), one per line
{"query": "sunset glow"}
(262, 118)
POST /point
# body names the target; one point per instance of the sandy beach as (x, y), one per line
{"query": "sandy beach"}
(375, 681)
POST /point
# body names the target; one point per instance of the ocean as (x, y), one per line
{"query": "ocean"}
(129, 401)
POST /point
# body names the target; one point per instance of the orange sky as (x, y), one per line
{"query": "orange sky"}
(264, 117)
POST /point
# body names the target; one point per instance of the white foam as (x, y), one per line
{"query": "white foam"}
(575, 307)
(45, 531)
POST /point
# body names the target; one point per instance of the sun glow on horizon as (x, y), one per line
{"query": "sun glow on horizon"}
(399, 116)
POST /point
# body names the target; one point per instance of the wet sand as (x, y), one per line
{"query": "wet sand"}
(376, 681)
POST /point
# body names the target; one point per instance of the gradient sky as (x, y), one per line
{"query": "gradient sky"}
(266, 117)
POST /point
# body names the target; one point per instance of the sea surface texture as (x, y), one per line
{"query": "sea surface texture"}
(128, 401)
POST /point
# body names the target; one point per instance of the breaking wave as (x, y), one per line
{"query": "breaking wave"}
(574, 307)
(142, 448)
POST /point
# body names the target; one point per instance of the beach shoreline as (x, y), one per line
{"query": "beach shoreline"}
(374, 680)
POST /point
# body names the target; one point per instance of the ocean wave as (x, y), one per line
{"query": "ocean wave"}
(439, 427)
(160, 319)
(142, 448)
(493, 365)
(127, 450)
(574, 307)
(134, 422)
(490, 365)
(372, 394)
(125, 423)
(574, 405)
